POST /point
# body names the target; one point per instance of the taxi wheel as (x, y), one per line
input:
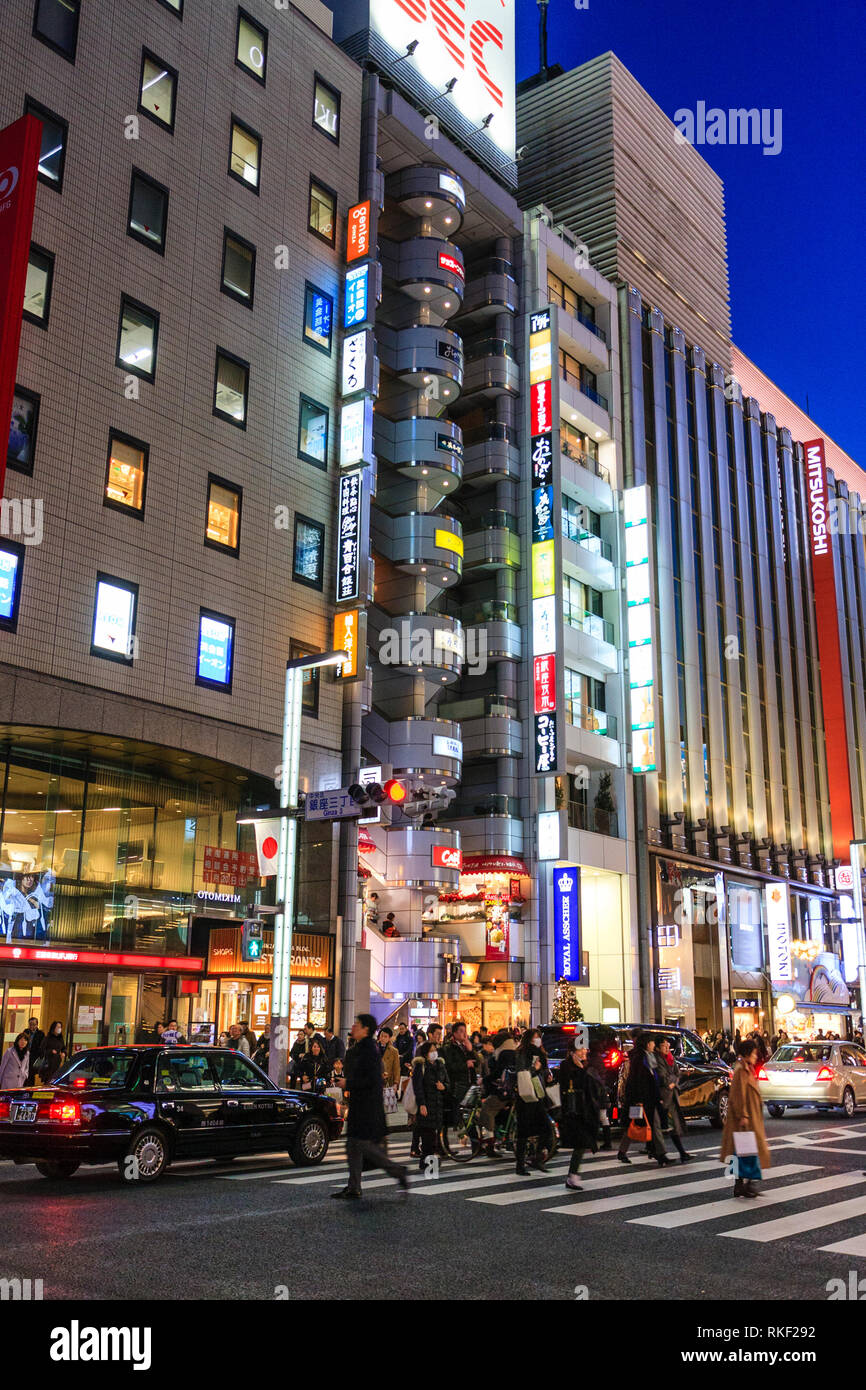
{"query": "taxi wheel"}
(849, 1104)
(56, 1170)
(777, 1111)
(146, 1158)
(311, 1143)
(719, 1113)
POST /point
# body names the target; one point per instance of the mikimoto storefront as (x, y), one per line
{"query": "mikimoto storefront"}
(236, 990)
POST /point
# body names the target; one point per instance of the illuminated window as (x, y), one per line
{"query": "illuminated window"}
(309, 680)
(231, 388)
(37, 293)
(216, 642)
(309, 560)
(11, 565)
(22, 431)
(313, 432)
(55, 133)
(252, 49)
(137, 339)
(126, 474)
(245, 161)
(148, 211)
(114, 614)
(222, 531)
(323, 212)
(55, 22)
(326, 110)
(239, 268)
(157, 90)
(318, 318)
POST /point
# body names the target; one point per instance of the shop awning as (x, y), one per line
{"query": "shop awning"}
(493, 864)
(365, 843)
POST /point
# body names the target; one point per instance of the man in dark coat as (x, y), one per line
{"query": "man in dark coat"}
(404, 1043)
(460, 1061)
(36, 1047)
(366, 1126)
(333, 1046)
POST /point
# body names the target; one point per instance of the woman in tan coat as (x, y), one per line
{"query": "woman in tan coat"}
(745, 1112)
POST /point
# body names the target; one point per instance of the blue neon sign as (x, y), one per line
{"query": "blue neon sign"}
(215, 644)
(357, 296)
(566, 922)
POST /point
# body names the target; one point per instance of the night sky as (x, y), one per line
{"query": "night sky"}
(795, 220)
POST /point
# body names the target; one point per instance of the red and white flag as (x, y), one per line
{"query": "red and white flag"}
(268, 846)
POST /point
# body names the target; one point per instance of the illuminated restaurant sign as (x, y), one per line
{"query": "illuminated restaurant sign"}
(640, 633)
(545, 559)
(349, 537)
(359, 232)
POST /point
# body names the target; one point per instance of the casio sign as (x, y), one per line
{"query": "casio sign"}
(445, 858)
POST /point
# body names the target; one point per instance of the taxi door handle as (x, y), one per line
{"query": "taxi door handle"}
(231, 1102)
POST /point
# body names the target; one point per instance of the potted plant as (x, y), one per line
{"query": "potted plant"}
(605, 806)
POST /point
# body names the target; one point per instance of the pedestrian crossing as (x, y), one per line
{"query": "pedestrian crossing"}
(695, 1196)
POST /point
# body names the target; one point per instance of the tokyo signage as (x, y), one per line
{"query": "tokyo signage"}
(349, 626)
(829, 650)
(358, 363)
(356, 433)
(544, 682)
(444, 747)
(470, 40)
(546, 760)
(349, 537)
(545, 566)
(444, 857)
(357, 297)
(359, 232)
(778, 931)
(20, 145)
(566, 922)
(452, 265)
(640, 640)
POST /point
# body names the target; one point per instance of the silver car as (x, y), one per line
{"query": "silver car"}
(827, 1075)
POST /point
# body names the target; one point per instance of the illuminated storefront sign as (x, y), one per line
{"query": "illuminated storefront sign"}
(444, 747)
(778, 931)
(829, 650)
(444, 857)
(446, 540)
(451, 264)
(349, 537)
(348, 627)
(566, 922)
(357, 362)
(114, 619)
(359, 232)
(216, 636)
(544, 558)
(357, 298)
(470, 40)
(356, 433)
(549, 835)
(640, 640)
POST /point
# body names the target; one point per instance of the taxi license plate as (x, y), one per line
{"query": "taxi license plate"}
(24, 1111)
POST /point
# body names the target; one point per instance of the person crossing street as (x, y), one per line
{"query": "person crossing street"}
(366, 1126)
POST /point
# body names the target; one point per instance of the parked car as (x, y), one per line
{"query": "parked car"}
(704, 1081)
(143, 1106)
(827, 1075)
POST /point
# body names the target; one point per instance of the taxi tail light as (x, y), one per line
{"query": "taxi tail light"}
(4, 1110)
(613, 1058)
(762, 1074)
(825, 1074)
(68, 1112)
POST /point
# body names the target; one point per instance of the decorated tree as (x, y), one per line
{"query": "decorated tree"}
(566, 1009)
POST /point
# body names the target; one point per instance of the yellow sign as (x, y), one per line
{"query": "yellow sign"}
(446, 540)
(346, 639)
(543, 569)
(540, 357)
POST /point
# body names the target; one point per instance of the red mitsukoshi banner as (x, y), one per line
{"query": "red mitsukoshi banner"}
(20, 145)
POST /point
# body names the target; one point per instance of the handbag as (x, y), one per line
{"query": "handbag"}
(554, 1096)
(745, 1142)
(640, 1129)
(389, 1096)
(410, 1103)
(525, 1089)
(749, 1168)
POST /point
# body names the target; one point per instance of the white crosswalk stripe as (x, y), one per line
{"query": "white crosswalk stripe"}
(719, 1184)
(734, 1206)
(624, 1176)
(813, 1220)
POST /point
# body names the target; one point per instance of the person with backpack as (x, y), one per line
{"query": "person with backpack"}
(583, 1096)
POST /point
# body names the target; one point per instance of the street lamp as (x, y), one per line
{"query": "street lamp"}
(287, 855)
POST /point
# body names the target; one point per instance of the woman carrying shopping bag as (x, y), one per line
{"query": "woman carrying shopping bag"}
(668, 1071)
(582, 1097)
(744, 1138)
(533, 1077)
(642, 1102)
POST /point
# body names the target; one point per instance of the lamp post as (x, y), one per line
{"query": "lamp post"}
(287, 856)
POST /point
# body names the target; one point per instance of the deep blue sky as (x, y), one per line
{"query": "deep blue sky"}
(795, 220)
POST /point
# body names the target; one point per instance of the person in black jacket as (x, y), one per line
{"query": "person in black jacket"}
(532, 1117)
(405, 1044)
(366, 1126)
(430, 1084)
(36, 1047)
(642, 1089)
(583, 1096)
(334, 1047)
(314, 1067)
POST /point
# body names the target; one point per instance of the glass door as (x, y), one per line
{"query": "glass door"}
(88, 1008)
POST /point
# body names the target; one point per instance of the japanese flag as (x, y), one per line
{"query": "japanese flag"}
(267, 846)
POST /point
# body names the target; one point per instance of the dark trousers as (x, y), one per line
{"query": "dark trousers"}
(427, 1138)
(357, 1150)
(576, 1160)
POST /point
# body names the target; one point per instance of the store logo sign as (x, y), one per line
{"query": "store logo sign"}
(566, 922)
(443, 857)
(778, 931)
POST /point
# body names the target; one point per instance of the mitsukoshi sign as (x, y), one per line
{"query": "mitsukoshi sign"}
(470, 40)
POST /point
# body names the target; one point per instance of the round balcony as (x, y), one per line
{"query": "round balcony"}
(429, 452)
(433, 195)
(428, 270)
(493, 542)
(491, 369)
(430, 645)
(491, 289)
(423, 858)
(431, 546)
(426, 358)
(429, 750)
(491, 455)
(492, 631)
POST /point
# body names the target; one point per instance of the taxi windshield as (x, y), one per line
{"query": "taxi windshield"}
(802, 1052)
(107, 1069)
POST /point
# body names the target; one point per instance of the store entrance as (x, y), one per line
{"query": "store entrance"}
(46, 1000)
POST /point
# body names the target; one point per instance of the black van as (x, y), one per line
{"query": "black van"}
(704, 1080)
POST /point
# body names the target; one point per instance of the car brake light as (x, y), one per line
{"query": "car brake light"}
(4, 1110)
(80, 1082)
(825, 1074)
(68, 1112)
(613, 1058)
(762, 1074)
(569, 1027)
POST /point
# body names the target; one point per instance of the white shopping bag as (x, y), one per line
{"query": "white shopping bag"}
(745, 1142)
(635, 1112)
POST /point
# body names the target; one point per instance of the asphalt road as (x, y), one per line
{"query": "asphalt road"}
(258, 1229)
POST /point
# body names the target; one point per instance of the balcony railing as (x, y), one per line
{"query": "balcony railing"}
(582, 817)
(574, 380)
(587, 622)
(489, 347)
(596, 721)
(493, 521)
(572, 309)
(490, 610)
(488, 434)
(585, 460)
(573, 531)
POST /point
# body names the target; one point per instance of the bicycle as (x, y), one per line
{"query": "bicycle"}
(462, 1138)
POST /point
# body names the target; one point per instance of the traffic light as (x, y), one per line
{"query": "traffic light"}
(370, 795)
(252, 940)
(395, 791)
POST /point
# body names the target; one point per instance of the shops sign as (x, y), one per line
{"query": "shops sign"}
(566, 922)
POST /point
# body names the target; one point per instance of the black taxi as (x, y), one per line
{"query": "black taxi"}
(144, 1106)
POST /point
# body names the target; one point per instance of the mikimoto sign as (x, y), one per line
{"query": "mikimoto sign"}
(470, 40)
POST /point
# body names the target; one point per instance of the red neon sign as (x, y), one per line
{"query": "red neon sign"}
(446, 858)
(544, 675)
(20, 144)
(359, 232)
(124, 960)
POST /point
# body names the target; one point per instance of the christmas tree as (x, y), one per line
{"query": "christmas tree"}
(565, 1006)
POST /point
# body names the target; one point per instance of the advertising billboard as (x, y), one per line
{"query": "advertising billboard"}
(20, 145)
